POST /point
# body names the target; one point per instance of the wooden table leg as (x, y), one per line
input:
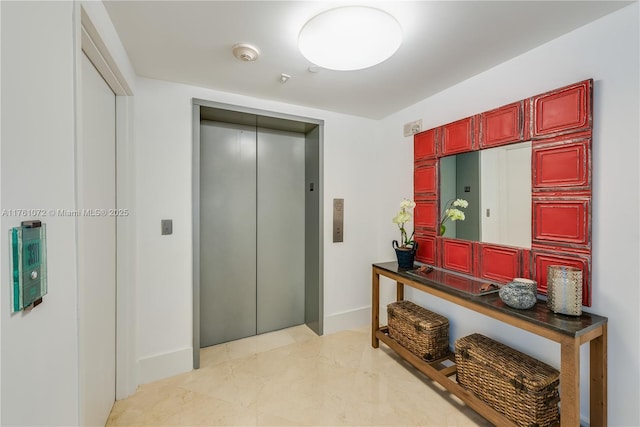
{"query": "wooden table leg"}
(598, 386)
(399, 291)
(375, 307)
(570, 383)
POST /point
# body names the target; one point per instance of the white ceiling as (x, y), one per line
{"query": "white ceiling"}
(445, 42)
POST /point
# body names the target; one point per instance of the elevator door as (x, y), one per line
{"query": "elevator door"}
(280, 234)
(252, 231)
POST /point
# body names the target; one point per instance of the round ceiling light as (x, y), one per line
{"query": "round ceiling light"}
(350, 38)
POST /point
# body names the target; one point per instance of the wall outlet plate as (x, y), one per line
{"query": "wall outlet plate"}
(412, 128)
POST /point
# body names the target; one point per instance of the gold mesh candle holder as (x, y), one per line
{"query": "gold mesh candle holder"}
(564, 290)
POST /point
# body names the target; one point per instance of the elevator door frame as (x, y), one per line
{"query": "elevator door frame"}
(313, 129)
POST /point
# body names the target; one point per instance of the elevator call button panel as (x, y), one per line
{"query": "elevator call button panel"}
(338, 220)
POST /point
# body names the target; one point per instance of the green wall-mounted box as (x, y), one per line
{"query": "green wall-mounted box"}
(28, 264)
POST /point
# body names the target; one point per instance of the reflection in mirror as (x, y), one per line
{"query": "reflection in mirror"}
(497, 184)
(506, 197)
(460, 179)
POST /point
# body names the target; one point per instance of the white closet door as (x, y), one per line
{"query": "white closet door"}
(96, 248)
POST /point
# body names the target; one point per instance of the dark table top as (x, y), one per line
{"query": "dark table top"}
(468, 287)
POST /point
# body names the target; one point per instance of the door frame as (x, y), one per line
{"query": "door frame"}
(90, 41)
(236, 115)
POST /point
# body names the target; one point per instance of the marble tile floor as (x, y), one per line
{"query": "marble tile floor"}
(294, 378)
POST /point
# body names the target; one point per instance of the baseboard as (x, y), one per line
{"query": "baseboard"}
(165, 365)
(350, 319)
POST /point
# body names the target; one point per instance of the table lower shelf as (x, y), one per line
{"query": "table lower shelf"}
(570, 334)
(443, 375)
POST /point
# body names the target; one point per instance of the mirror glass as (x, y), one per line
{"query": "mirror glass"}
(496, 182)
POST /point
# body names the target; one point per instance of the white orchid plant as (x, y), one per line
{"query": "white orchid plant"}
(403, 217)
(452, 212)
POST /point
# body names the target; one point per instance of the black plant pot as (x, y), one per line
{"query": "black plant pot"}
(405, 256)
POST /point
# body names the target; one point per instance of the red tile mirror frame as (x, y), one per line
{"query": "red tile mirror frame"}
(559, 123)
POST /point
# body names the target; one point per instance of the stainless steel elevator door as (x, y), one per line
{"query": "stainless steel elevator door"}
(252, 222)
(227, 232)
(281, 229)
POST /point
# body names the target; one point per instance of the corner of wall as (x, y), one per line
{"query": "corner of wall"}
(350, 319)
(165, 365)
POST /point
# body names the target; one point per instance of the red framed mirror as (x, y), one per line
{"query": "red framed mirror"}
(559, 125)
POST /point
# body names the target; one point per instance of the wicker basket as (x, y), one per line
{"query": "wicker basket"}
(518, 386)
(424, 333)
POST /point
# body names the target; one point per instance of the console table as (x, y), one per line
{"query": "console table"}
(570, 332)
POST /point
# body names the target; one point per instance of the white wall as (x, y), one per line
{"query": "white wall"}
(163, 135)
(607, 51)
(39, 349)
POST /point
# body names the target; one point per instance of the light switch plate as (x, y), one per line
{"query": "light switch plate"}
(167, 226)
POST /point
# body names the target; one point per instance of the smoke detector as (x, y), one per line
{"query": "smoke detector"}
(284, 78)
(245, 52)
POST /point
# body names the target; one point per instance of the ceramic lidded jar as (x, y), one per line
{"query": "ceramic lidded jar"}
(521, 295)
